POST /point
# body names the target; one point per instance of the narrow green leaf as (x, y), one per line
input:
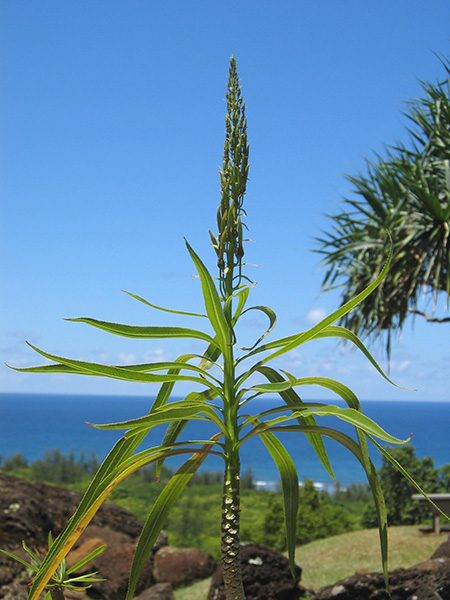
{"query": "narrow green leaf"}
(212, 353)
(359, 420)
(289, 483)
(49, 369)
(242, 296)
(290, 397)
(277, 387)
(136, 331)
(292, 342)
(280, 343)
(361, 454)
(295, 411)
(176, 312)
(342, 332)
(334, 434)
(169, 413)
(173, 367)
(34, 557)
(210, 356)
(82, 579)
(194, 397)
(407, 476)
(335, 386)
(166, 388)
(378, 498)
(114, 372)
(18, 559)
(173, 432)
(60, 546)
(159, 513)
(212, 302)
(175, 429)
(272, 318)
(85, 560)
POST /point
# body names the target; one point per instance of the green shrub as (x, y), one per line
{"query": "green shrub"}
(317, 518)
(15, 462)
(401, 509)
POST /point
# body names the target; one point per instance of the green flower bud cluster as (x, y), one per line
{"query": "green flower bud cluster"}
(233, 181)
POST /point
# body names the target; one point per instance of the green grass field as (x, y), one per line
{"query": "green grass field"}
(326, 561)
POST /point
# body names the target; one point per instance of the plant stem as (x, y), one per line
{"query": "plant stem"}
(229, 249)
(230, 544)
(56, 593)
(230, 541)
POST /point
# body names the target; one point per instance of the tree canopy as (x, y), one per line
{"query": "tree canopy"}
(401, 508)
(405, 193)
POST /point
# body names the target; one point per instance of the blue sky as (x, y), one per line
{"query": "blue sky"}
(112, 127)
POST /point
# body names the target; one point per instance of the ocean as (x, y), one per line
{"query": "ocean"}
(33, 423)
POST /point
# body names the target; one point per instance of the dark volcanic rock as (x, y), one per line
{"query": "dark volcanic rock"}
(182, 565)
(114, 565)
(266, 576)
(160, 591)
(443, 551)
(17, 589)
(29, 511)
(429, 580)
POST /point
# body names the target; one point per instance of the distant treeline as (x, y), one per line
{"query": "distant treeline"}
(61, 469)
(54, 467)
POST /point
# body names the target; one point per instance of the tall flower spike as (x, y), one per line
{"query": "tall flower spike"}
(233, 182)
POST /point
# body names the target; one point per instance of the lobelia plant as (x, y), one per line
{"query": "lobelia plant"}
(60, 579)
(229, 377)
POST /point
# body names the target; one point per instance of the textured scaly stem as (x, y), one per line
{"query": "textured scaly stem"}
(230, 544)
(230, 540)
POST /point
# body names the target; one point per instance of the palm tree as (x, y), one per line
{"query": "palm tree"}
(408, 195)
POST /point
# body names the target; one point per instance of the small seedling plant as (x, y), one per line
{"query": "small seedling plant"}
(226, 378)
(64, 578)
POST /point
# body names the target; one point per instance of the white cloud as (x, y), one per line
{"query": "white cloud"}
(294, 359)
(315, 315)
(127, 358)
(403, 365)
(157, 355)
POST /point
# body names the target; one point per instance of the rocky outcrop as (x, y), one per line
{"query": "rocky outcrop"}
(265, 574)
(29, 511)
(182, 565)
(429, 580)
(160, 591)
(443, 551)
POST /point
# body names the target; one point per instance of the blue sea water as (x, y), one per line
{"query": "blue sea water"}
(33, 423)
